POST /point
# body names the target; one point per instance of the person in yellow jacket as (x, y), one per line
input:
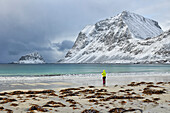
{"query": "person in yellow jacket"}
(104, 77)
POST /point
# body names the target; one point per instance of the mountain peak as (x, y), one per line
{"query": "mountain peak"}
(113, 40)
(125, 12)
(139, 26)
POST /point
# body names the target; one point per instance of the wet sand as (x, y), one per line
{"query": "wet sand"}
(14, 83)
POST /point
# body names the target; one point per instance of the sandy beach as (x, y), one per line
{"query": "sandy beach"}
(142, 94)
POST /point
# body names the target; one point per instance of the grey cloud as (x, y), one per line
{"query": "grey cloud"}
(64, 45)
(28, 25)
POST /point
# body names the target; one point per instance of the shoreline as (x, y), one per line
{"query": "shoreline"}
(8, 83)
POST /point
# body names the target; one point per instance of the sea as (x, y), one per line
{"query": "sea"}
(19, 70)
(47, 76)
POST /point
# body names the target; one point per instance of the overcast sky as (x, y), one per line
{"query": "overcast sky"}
(50, 27)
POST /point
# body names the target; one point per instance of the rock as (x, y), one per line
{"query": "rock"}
(32, 58)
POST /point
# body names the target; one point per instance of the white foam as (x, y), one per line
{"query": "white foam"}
(78, 76)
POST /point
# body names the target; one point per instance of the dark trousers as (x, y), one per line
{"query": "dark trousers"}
(104, 80)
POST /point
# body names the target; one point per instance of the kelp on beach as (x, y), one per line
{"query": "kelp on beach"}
(133, 97)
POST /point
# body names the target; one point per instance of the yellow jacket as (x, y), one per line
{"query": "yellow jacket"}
(104, 73)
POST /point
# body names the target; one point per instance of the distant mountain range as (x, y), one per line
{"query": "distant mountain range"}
(32, 58)
(125, 38)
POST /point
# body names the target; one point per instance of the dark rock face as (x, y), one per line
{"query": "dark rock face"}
(31, 58)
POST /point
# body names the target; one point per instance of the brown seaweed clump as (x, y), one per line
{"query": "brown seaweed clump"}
(14, 104)
(54, 104)
(6, 100)
(149, 91)
(93, 100)
(38, 108)
(122, 110)
(71, 101)
(91, 86)
(27, 92)
(90, 111)
(116, 110)
(136, 84)
(8, 110)
(69, 92)
(1, 108)
(121, 97)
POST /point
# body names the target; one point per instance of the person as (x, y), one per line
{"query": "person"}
(104, 77)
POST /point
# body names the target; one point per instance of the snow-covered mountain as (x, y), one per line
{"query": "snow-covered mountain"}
(32, 58)
(125, 38)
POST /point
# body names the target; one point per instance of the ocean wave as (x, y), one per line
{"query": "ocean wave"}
(54, 77)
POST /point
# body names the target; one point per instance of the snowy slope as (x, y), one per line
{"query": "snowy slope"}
(32, 58)
(140, 26)
(120, 39)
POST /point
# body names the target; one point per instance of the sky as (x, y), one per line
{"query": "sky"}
(51, 27)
